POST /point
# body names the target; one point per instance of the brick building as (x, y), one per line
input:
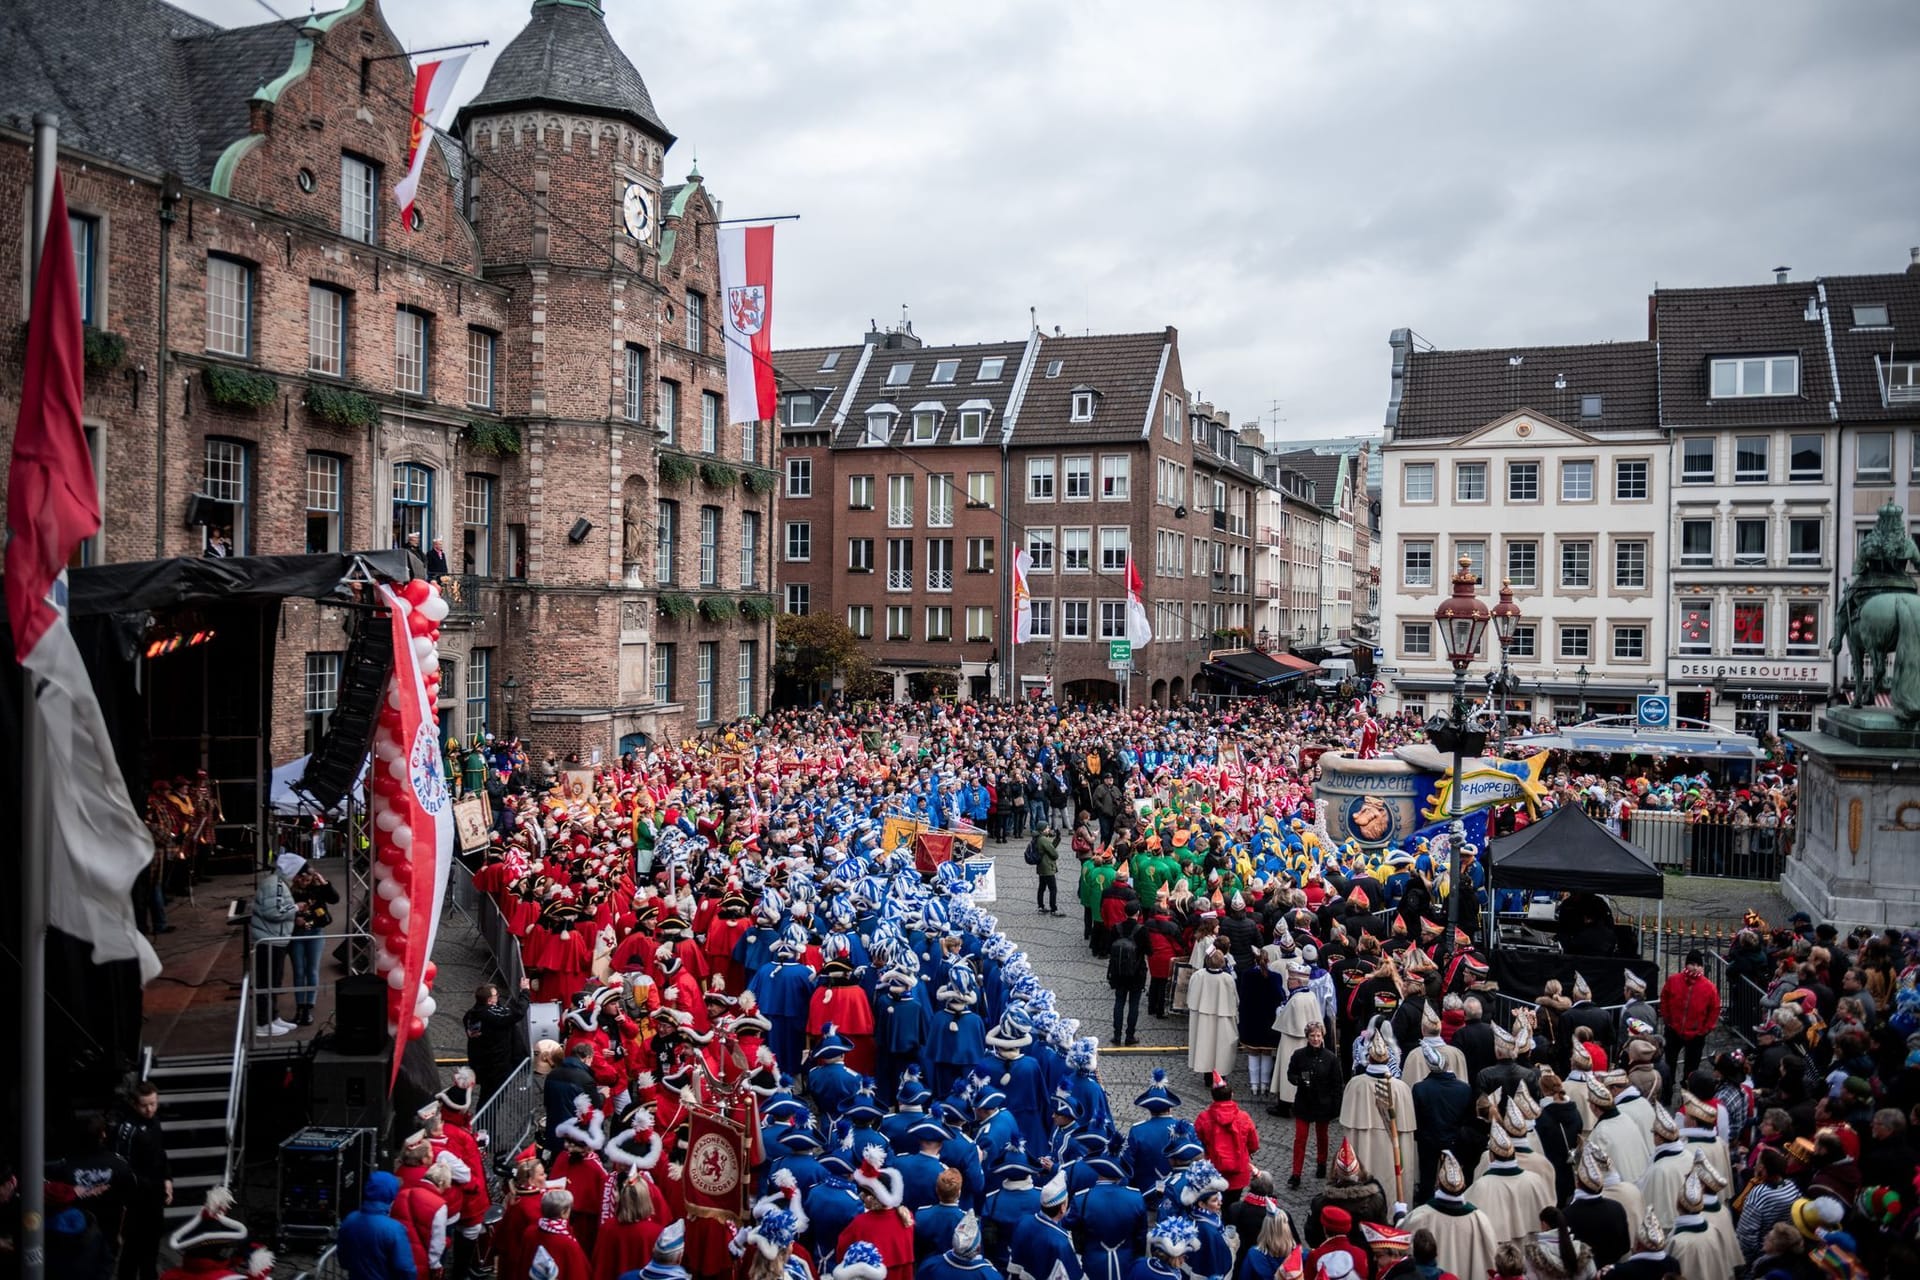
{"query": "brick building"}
(531, 372)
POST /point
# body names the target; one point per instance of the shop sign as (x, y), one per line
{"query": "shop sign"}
(1775, 670)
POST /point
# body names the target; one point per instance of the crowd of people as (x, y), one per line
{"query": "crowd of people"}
(746, 925)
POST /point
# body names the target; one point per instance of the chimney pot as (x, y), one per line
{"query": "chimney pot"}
(1913, 257)
(1780, 274)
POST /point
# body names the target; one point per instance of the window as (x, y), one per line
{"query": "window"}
(1696, 542)
(1054, 367)
(860, 621)
(899, 564)
(1040, 479)
(799, 540)
(979, 623)
(1630, 480)
(479, 690)
(663, 672)
(830, 362)
(799, 599)
(1630, 644)
(1803, 628)
(926, 426)
(667, 539)
(1873, 457)
(1750, 460)
(899, 374)
(1749, 626)
(1416, 564)
(750, 441)
(1804, 540)
(476, 529)
(1113, 549)
(1630, 565)
(325, 503)
(1590, 406)
(1749, 542)
(1040, 549)
(1523, 482)
(1523, 563)
(1113, 619)
(1116, 477)
(1576, 641)
(703, 672)
(1806, 457)
(899, 622)
(1696, 626)
(1173, 416)
(980, 488)
(879, 427)
(800, 478)
(710, 546)
(940, 502)
(1416, 639)
(802, 410)
(696, 328)
(409, 352)
(1418, 481)
(1470, 482)
(1476, 553)
(412, 504)
(1074, 620)
(229, 307)
(1082, 406)
(709, 422)
(1077, 478)
(945, 370)
(86, 252)
(939, 622)
(1576, 565)
(1696, 460)
(860, 555)
(360, 198)
(1042, 619)
(900, 502)
(1525, 642)
(326, 331)
(323, 695)
(517, 551)
(743, 677)
(749, 549)
(668, 411)
(1900, 380)
(990, 369)
(973, 425)
(979, 555)
(1742, 376)
(939, 564)
(1076, 550)
(228, 478)
(1870, 315)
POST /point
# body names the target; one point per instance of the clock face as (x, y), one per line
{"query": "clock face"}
(635, 213)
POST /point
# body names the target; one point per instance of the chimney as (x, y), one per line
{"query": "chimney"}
(1401, 340)
(1780, 274)
(1913, 258)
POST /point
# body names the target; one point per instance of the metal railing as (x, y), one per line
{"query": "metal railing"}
(899, 579)
(508, 1118)
(327, 1267)
(236, 1083)
(1710, 845)
(360, 943)
(939, 579)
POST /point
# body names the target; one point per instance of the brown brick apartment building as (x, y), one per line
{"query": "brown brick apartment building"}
(531, 372)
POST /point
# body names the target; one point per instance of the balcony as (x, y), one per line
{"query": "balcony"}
(1271, 591)
(899, 579)
(900, 516)
(1270, 537)
(463, 593)
(939, 579)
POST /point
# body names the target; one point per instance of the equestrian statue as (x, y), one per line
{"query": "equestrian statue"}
(1879, 617)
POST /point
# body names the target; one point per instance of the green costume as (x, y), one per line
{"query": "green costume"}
(1094, 879)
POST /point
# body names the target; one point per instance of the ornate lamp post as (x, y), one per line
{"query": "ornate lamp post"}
(1506, 618)
(1580, 677)
(1463, 623)
(508, 688)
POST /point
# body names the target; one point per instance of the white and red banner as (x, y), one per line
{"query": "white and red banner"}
(96, 844)
(1022, 597)
(432, 94)
(746, 301)
(412, 810)
(1139, 629)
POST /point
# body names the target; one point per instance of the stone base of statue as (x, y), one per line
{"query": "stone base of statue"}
(1856, 849)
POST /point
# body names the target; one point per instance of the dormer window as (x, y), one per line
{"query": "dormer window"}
(1744, 377)
(802, 410)
(1871, 315)
(973, 421)
(1900, 378)
(946, 370)
(926, 421)
(1082, 404)
(899, 374)
(990, 369)
(880, 424)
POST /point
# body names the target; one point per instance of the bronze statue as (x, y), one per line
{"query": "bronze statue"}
(1878, 617)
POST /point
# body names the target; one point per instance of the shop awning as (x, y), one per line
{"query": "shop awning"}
(1645, 742)
(1293, 663)
(1262, 671)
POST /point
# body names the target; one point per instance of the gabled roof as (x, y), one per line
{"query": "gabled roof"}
(1449, 393)
(1855, 348)
(1695, 325)
(799, 369)
(566, 57)
(1125, 368)
(1325, 470)
(875, 391)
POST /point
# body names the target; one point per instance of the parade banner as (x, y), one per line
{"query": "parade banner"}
(1488, 782)
(715, 1169)
(930, 850)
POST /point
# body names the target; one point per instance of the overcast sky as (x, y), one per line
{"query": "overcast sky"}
(1284, 182)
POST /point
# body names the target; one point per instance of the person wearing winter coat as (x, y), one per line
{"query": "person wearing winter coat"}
(269, 928)
(1046, 851)
(1161, 938)
(1230, 1139)
(1213, 1017)
(1127, 975)
(372, 1244)
(1314, 1074)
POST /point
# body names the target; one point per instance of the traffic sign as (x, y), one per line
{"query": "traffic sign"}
(1379, 653)
(1119, 651)
(1655, 711)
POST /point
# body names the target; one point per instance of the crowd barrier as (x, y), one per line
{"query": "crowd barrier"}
(1709, 845)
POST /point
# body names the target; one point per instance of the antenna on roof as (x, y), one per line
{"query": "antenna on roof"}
(1033, 319)
(1559, 382)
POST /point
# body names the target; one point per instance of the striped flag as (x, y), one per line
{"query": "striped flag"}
(432, 93)
(1139, 630)
(746, 285)
(1022, 597)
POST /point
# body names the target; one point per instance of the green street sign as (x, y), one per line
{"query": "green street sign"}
(1119, 651)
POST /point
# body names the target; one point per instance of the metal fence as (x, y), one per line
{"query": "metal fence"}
(508, 1119)
(491, 925)
(1709, 845)
(327, 1267)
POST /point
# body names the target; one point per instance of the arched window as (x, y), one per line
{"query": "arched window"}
(413, 505)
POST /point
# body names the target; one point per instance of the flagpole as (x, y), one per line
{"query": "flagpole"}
(34, 844)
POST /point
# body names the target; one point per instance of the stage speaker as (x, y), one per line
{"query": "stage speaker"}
(360, 1014)
(335, 764)
(581, 528)
(202, 510)
(323, 1173)
(350, 1089)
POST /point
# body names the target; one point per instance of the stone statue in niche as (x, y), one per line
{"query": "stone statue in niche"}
(633, 534)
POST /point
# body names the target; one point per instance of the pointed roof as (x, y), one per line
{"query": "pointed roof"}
(566, 57)
(1451, 392)
(1568, 850)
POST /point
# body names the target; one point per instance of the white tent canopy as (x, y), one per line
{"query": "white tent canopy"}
(287, 802)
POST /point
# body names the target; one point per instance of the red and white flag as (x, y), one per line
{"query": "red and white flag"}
(97, 844)
(432, 93)
(1022, 597)
(1139, 629)
(746, 289)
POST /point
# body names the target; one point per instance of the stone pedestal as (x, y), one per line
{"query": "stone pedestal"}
(1856, 852)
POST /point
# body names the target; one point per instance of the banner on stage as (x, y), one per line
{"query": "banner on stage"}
(1488, 782)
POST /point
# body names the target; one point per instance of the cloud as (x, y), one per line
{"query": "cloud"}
(1284, 182)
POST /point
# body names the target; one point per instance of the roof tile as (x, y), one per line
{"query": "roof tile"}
(1449, 393)
(1695, 325)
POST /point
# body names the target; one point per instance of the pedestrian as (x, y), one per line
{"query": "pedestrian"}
(137, 1138)
(1046, 852)
(1161, 937)
(269, 927)
(313, 900)
(1690, 1010)
(1313, 1073)
(496, 1036)
(1127, 975)
(1230, 1139)
(1213, 1016)
(372, 1244)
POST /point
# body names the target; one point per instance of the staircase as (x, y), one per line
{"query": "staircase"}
(194, 1092)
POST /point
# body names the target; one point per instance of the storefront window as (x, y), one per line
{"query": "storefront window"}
(1803, 628)
(1762, 712)
(1750, 627)
(1696, 626)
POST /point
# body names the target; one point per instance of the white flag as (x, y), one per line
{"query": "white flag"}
(1139, 630)
(432, 93)
(1022, 597)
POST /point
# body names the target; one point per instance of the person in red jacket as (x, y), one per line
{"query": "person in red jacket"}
(1230, 1139)
(1690, 1008)
(549, 1249)
(521, 1212)
(422, 1209)
(1162, 940)
(885, 1223)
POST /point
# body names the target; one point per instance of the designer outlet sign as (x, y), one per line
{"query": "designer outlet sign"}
(1812, 671)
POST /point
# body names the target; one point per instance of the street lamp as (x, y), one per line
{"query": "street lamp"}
(1463, 624)
(1266, 639)
(1506, 619)
(508, 688)
(1580, 677)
